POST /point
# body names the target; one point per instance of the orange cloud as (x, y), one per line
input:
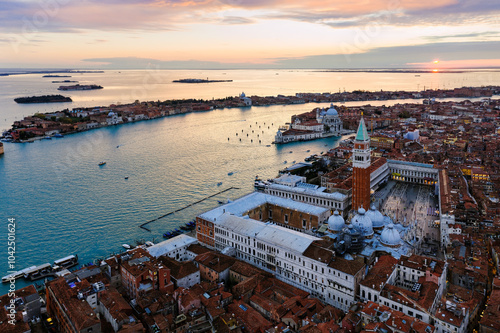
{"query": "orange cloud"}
(469, 63)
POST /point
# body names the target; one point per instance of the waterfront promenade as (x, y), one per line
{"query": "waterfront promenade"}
(45, 125)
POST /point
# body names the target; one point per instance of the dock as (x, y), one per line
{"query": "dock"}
(143, 226)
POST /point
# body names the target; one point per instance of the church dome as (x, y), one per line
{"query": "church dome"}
(363, 223)
(336, 222)
(390, 236)
(331, 111)
(376, 217)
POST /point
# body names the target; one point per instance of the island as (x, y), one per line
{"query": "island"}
(199, 81)
(43, 99)
(65, 81)
(80, 87)
(79, 119)
(51, 75)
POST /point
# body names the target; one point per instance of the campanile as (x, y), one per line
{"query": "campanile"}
(361, 168)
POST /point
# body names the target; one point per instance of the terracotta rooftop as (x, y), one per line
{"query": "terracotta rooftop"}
(245, 269)
(253, 320)
(79, 312)
(380, 272)
(423, 263)
(117, 306)
(215, 261)
(198, 249)
(178, 270)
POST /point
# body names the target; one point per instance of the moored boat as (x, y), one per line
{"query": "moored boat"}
(16, 275)
(67, 262)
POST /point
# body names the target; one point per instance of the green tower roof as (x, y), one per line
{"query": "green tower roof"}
(362, 134)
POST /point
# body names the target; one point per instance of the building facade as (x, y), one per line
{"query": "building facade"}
(299, 259)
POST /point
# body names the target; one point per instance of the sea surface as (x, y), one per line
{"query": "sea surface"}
(64, 203)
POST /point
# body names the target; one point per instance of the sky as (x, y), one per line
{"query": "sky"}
(213, 34)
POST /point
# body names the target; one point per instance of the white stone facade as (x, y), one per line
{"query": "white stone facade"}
(281, 252)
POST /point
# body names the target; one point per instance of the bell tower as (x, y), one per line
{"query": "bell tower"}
(361, 162)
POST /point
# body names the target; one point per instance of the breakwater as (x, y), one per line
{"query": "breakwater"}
(143, 226)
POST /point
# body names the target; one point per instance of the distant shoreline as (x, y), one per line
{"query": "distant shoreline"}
(325, 70)
(199, 81)
(52, 72)
(391, 71)
(82, 119)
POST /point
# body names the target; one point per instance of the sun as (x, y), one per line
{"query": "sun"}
(436, 61)
(435, 70)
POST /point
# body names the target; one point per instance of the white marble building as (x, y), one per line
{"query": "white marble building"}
(296, 258)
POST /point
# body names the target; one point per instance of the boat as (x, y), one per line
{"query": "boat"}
(67, 262)
(219, 183)
(126, 246)
(290, 151)
(16, 275)
(47, 137)
(102, 163)
(39, 272)
(126, 177)
(230, 173)
(308, 150)
(268, 145)
(285, 162)
(149, 243)
(259, 185)
(220, 202)
(58, 135)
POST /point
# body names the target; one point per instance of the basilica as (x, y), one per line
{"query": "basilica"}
(316, 124)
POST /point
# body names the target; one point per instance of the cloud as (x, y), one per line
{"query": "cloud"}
(394, 13)
(236, 20)
(98, 41)
(148, 63)
(383, 57)
(475, 35)
(398, 56)
(158, 15)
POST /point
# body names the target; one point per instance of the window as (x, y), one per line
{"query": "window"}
(304, 223)
(286, 218)
(270, 214)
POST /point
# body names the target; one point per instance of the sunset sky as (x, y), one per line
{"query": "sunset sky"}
(249, 34)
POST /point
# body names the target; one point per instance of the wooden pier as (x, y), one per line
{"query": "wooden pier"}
(143, 226)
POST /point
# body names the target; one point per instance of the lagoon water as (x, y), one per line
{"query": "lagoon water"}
(64, 203)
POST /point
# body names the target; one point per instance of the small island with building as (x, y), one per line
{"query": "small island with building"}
(80, 87)
(43, 99)
(65, 81)
(199, 81)
(316, 124)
